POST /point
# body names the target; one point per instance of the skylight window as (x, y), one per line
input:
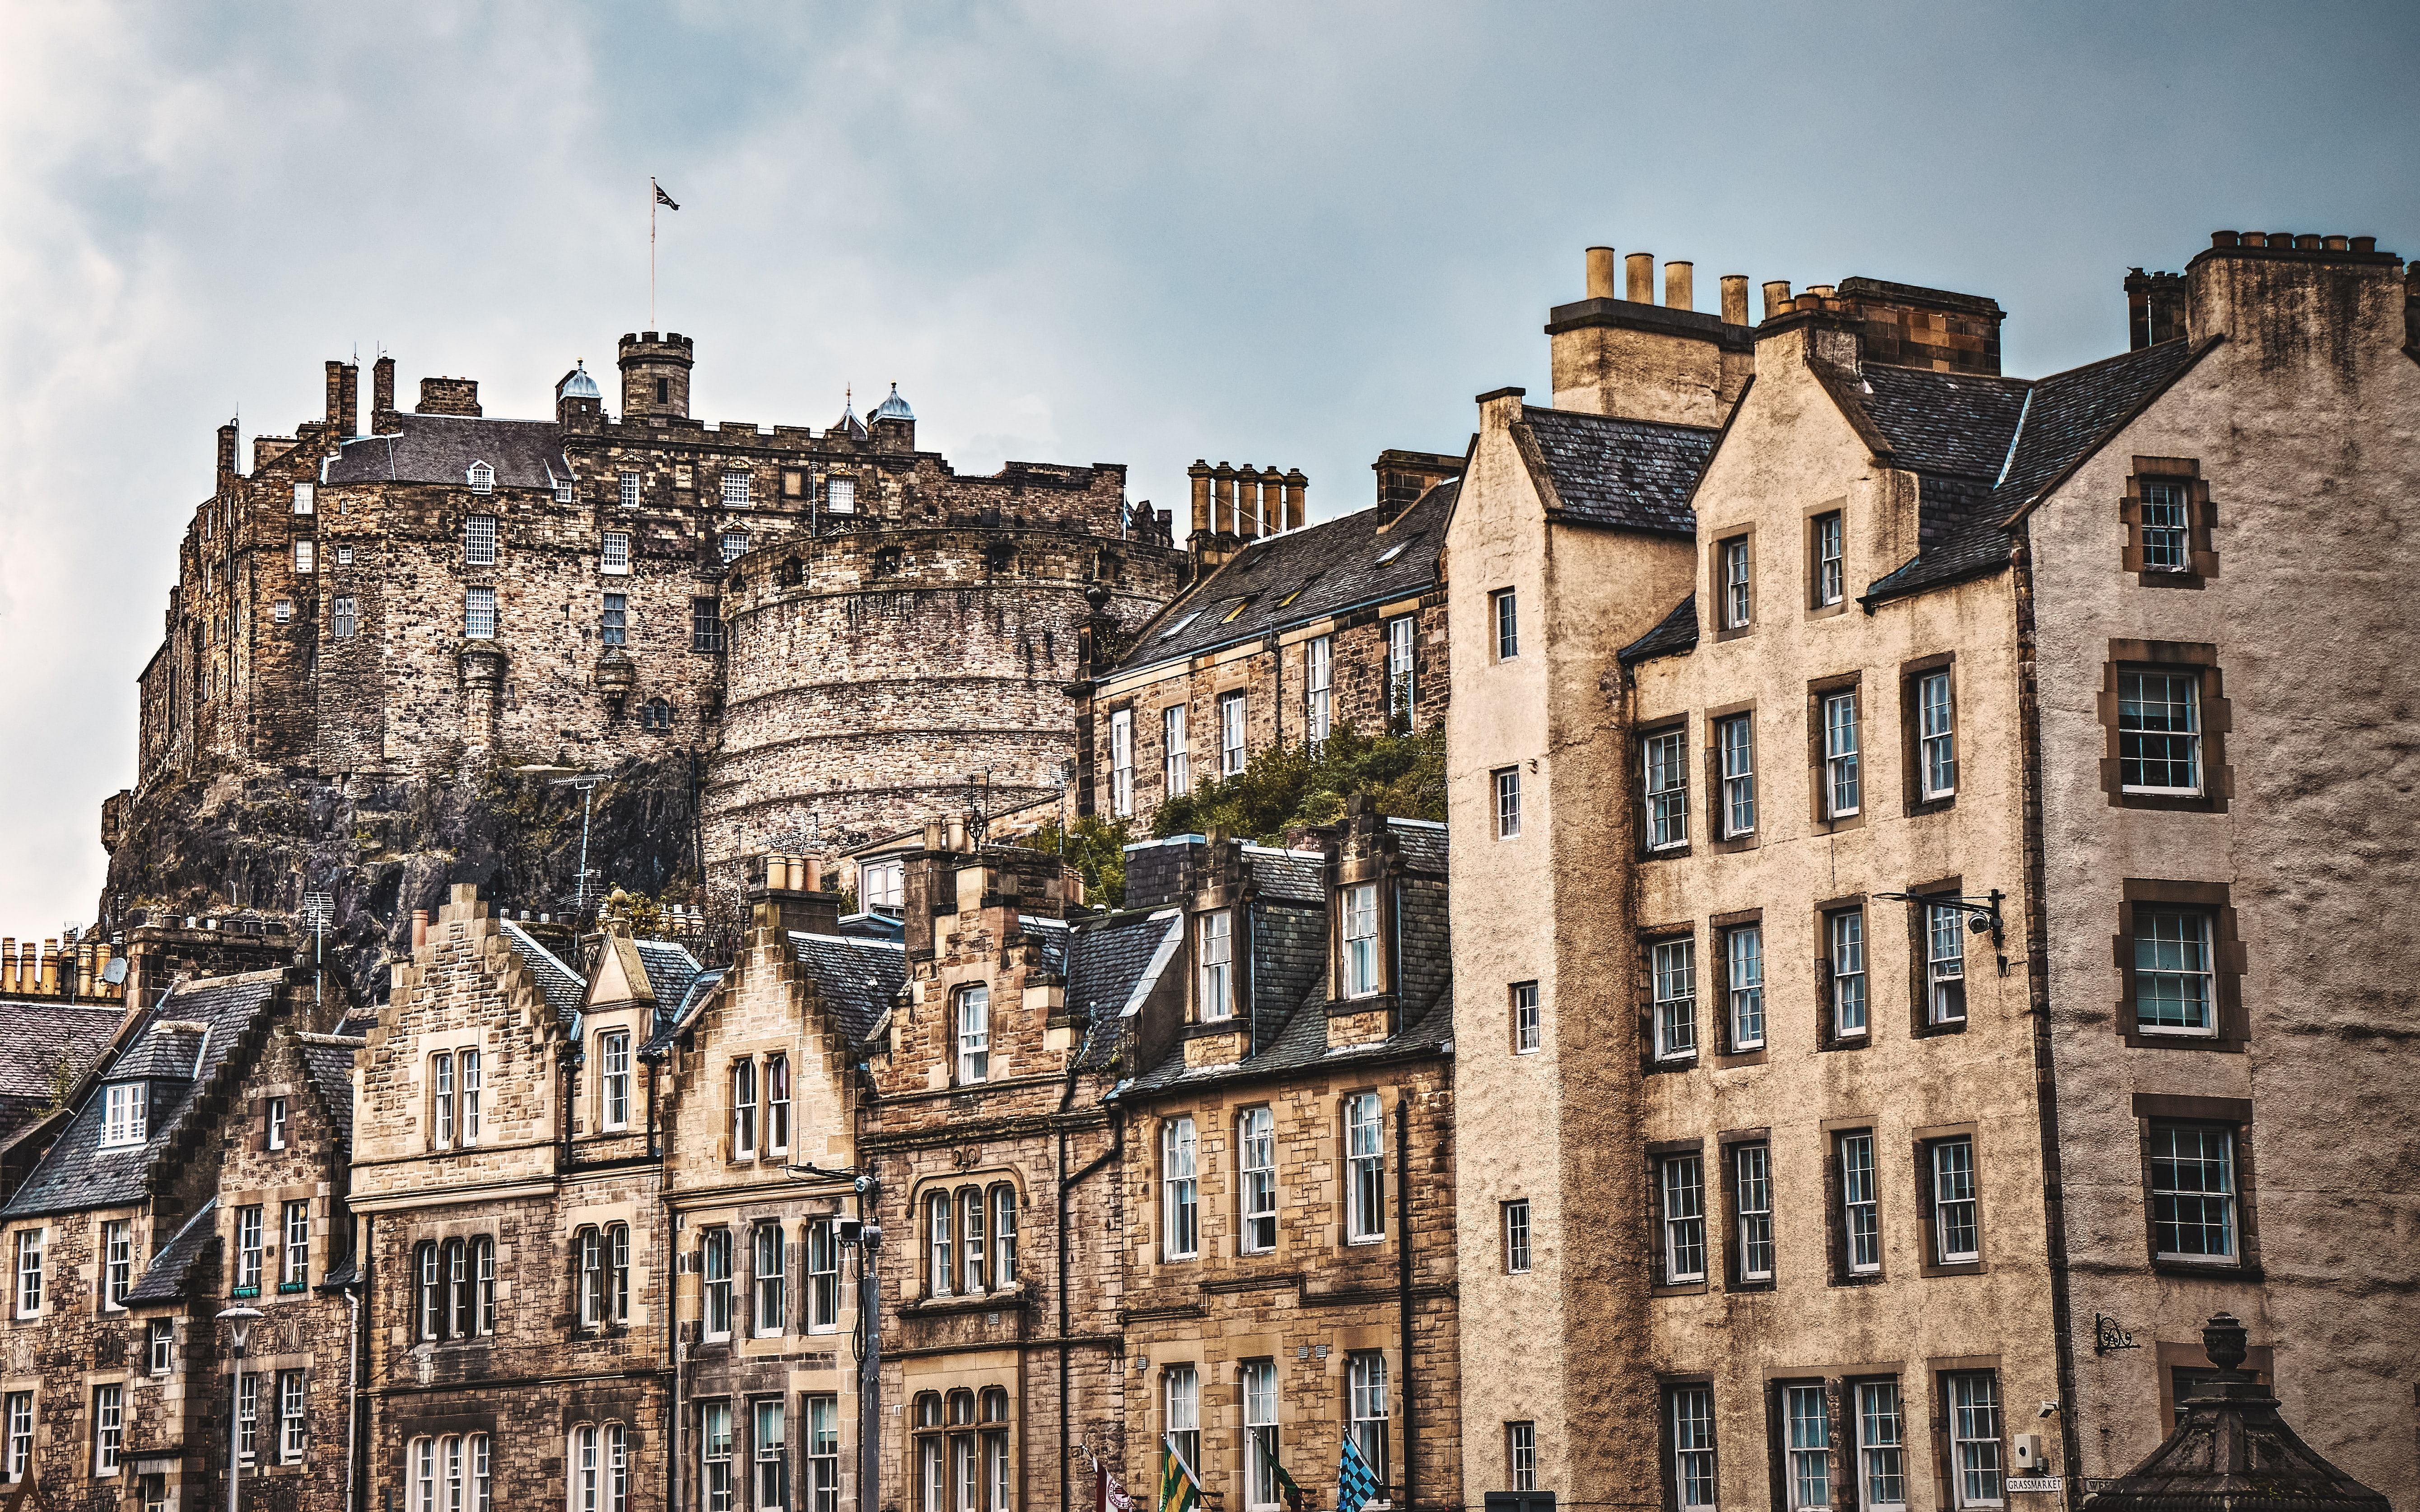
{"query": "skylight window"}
(1236, 613)
(1172, 630)
(1392, 553)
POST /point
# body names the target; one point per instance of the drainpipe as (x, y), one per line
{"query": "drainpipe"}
(353, 1376)
(1403, 1282)
(1066, 1182)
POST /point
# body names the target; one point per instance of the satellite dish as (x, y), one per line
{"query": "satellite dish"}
(114, 973)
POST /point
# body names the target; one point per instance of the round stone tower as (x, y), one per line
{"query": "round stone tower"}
(654, 375)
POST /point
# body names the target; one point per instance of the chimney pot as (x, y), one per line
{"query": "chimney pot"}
(1776, 297)
(2365, 243)
(2334, 243)
(2223, 238)
(1639, 275)
(1734, 298)
(419, 928)
(1295, 485)
(1680, 286)
(2306, 243)
(1600, 273)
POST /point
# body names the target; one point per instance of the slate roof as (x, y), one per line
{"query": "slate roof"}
(1117, 960)
(2075, 412)
(1301, 875)
(1675, 635)
(526, 454)
(1050, 936)
(857, 978)
(42, 1033)
(169, 1051)
(1638, 474)
(873, 925)
(77, 1172)
(1328, 568)
(671, 973)
(329, 1061)
(565, 990)
(165, 1278)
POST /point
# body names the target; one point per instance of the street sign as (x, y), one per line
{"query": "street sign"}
(2037, 1482)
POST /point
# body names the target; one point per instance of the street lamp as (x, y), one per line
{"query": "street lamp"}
(239, 1321)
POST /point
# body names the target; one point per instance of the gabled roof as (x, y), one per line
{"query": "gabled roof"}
(1595, 470)
(2073, 413)
(1675, 635)
(565, 990)
(672, 971)
(329, 1061)
(165, 1278)
(1298, 876)
(1117, 961)
(77, 1172)
(1301, 576)
(525, 454)
(169, 1051)
(1958, 423)
(42, 1033)
(856, 977)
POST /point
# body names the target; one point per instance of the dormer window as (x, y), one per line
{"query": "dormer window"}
(1215, 937)
(1360, 941)
(125, 1115)
(483, 478)
(975, 1034)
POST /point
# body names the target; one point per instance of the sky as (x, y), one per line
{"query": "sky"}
(1082, 231)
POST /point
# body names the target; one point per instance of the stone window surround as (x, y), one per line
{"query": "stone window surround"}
(1715, 811)
(1836, 1272)
(1919, 981)
(1911, 725)
(2227, 963)
(1648, 938)
(1922, 1140)
(1666, 1461)
(1728, 1145)
(1809, 517)
(2201, 519)
(953, 1187)
(1818, 794)
(2235, 1114)
(1648, 729)
(1657, 1153)
(1719, 585)
(1825, 1039)
(1937, 1372)
(1714, 986)
(2216, 715)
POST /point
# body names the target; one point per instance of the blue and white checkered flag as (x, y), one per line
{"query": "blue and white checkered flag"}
(1357, 1484)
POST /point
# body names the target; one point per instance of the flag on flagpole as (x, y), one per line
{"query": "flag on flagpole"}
(1357, 1483)
(663, 199)
(1287, 1490)
(1180, 1489)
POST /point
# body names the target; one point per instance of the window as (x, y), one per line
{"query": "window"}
(163, 1346)
(1737, 739)
(995, 1451)
(617, 1468)
(2174, 985)
(343, 556)
(1957, 1233)
(613, 628)
(1681, 1192)
(430, 1305)
(1944, 965)
(479, 613)
(1508, 803)
(823, 1275)
(937, 1228)
(281, 611)
(1365, 1373)
(19, 1429)
(1122, 764)
(615, 557)
(614, 1078)
(302, 500)
(479, 541)
(483, 477)
(1521, 1455)
(733, 545)
(1690, 1411)
(706, 625)
(1004, 1235)
(1667, 756)
(618, 1260)
(628, 490)
(1361, 940)
(482, 1269)
(714, 1265)
(2194, 1193)
(1175, 771)
(714, 1454)
(250, 1251)
(743, 1109)
(1839, 754)
(1882, 1453)
(1179, 1208)
(125, 1116)
(1231, 733)
(1737, 601)
(1403, 677)
(1317, 688)
(1744, 986)
(1936, 737)
(117, 1261)
(29, 1272)
(2167, 528)
(1752, 1199)
(1974, 1437)
(1516, 1237)
(344, 617)
(1508, 623)
(247, 1417)
(1213, 937)
(305, 555)
(441, 1075)
(773, 1435)
(2159, 733)
(1861, 1232)
(108, 1428)
(823, 1453)
(884, 884)
(972, 1251)
(1365, 1154)
(293, 1428)
(589, 1245)
(1184, 1389)
(294, 1255)
(1808, 1446)
(1528, 1029)
(1828, 576)
(1673, 967)
(1845, 933)
(1258, 1380)
(736, 489)
(1256, 1161)
(975, 1034)
(840, 496)
(772, 1285)
(473, 1087)
(777, 1102)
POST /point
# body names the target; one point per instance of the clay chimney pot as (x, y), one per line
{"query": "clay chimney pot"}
(1600, 273)
(1680, 286)
(1638, 277)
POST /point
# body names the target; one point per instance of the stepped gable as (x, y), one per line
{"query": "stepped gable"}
(856, 977)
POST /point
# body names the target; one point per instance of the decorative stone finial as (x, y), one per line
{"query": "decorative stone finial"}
(2223, 1340)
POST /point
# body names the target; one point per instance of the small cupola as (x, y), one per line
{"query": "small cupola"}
(892, 423)
(578, 399)
(893, 407)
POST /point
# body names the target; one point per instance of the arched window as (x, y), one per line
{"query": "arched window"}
(1003, 1236)
(617, 1468)
(995, 1450)
(963, 1466)
(944, 1255)
(713, 1262)
(656, 714)
(483, 1266)
(974, 1033)
(773, 1288)
(587, 1469)
(450, 1473)
(973, 1252)
(425, 1304)
(777, 1102)
(931, 1487)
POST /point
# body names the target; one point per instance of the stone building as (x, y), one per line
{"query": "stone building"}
(1886, 656)
(206, 1167)
(1282, 638)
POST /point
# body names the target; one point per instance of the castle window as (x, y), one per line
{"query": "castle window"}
(615, 628)
(1365, 1156)
(628, 490)
(302, 503)
(736, 489)
(124, 1114)
(1122, 764)
(885, 562)
(654, 714)
(483, 478)
(735, 546)
(479, 614)
(975, 1034)
(706, 625)
(562, 490)
(614, 1083)
(304, 556)
(793, 572)
(615, 557)
(840, 496)
(343, 556)
(479, 540)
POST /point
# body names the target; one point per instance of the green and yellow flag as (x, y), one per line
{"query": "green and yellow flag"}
(1180, 1489)
(1288, 1491)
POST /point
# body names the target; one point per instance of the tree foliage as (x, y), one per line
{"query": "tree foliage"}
(1283, 787)
(1097, 848)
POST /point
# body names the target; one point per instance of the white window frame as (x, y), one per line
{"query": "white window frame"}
(1214, 940)
(2166, 507)
(2191, 1205)
(626, 489)
(1944, 965)
(1180, 1205)
(1957, 1215)
(1830, 578)
(1681, 1201)
(1882, 1447)
(481, 477)
(1518, 1253)
(30, 1253)
(714, 1267)
(2178, 742)
(1744, 986)
(1365, 1168)
(1318, 687)
(481, 539)
(274, 1124)
(823, 1452)
(478, 613)
(1689, 1413)
(768, 1275)
(1508, 802)
(306, 556)
(1528, 1020)
(1505, 616)
(768, 1443)
(305, 502)
(293, 1417)
(1256, 1190)
(1360, 940)
(294, 1246)
(823, 1275)
(247, 1416)
(20, 1430)
(777, 1102)
(1521, 1454)
(1978, 1456)
(1735, 739)
(1403, 671)
(973, 1022)
(714, 1454)
(941, 1209)
(2175, 964)
(251, 1248)
(281, 611)
(733, 545)
(1175, 762)
(1122, 764)
(614, 621)
(1181, 1395)
(1368, 1409)
(1256, 1382)
(125, 1115)
(884, 884)
(1861, 1237)
(1234, 745)
(1752, 1200)
(1843, 791)
(1672, 972)
(614, 1080)
(1806, 1437)
(344, 617)
(743, 1108)
(343, 556)
(117, 1263)
(1739, 600)
(1936, 739)
(840, 496)
(1664, 758)
(613, 554)
(1844, 933)
(108, 1429)
(738, 489)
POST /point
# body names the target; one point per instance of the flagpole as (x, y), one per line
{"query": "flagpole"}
(651, 254)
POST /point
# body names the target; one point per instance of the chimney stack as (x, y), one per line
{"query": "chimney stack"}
(1294, 486)
(1640, 278)
(2155, 308)
(382, 397)
(1735, 298)
(344, 398)
(1600, 273)
(1776, 297)
(1223, 514)
(1680, 286)
(227, 473)
(1200, 474)
(449, 396)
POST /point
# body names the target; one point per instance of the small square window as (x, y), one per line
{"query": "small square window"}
(281, 610)
(343, 556)
(2159, 733)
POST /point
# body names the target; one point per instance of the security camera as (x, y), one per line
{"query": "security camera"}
(1978, 923)
(2048, 1409)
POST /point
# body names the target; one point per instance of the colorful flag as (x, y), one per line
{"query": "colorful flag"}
(1357, 1483)
(1179, 1489)
(1291, 1493)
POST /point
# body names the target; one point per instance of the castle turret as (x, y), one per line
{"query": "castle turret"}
(654, 375)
